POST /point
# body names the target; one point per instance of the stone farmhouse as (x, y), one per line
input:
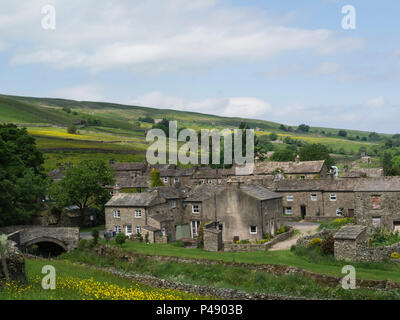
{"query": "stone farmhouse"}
(169, 213)
(377, 203)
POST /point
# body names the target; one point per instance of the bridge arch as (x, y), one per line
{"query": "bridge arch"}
(42, 240)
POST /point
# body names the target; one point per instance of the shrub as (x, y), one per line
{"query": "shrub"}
(244, 241)
(382, 237)
(71, 129)
(336, 224)
(120, 238)
(316, 242)
(282, 229)
(83, 244)
(327, 245)
(265, 240)
(95, 235)
(395, 255)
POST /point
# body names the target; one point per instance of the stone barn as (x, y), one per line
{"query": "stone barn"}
(350, 242)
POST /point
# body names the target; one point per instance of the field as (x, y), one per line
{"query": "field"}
(75, 282)
(114, 130)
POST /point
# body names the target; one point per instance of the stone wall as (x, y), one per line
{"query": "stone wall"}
(304, 241)
(212, 238)
(15, 263)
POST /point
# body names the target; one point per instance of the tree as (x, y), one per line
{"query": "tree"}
(163, 125)
(273, 136)
(83, 186)
(374, 136)
(22, 182)
(120, 239)
(71, 129)
(303, 128)
(342, 133)
(155, 180)
(316, 151)
(395, 165)
(286, 154)
(95, 235)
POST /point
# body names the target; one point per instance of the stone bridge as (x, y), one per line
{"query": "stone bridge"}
(25, 236)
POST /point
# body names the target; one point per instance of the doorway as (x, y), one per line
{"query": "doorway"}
(303, 212)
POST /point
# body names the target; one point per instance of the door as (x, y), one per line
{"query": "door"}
(303, 212)
(194, 228)
(351, 213)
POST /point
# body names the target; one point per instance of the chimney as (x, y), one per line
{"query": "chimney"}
(297, 160)
(116, 190)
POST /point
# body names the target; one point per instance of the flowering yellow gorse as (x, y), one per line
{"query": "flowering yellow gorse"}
(89, 289)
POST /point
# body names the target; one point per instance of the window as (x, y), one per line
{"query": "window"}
(138, 213)
(165, 179)
(209, 181)
(117, 214)
(173, 204)
(176, 180)
(128, 230)
(314, 197)
(138, 229)
(289, 197)
(288, 210)
(376, 222)
(194, 227)
(220, 226)
(376, 202)
(195, 208)
(333, 196)
(117, 229)
(253, 229)
(339, 212)
(302, 177)
(111, 193)
(201, 181)
(163, 232)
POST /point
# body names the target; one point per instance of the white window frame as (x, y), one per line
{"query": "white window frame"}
(138, 213)
(165, 179)
(138, 229)
(117, 214)
(127, 232)
(253, 232)
(314, 197)
(163, 232)
(198, 209)
(176, 179)
(194, 226)
(289, 197)
(209, 181)
(302, 177)
(117, 229)
(201, 181)
(288, 211)
(339, 212)
(173, 204)
(333, 197)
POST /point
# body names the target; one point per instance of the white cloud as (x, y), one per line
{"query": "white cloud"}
(327, 68)
(231, 107)
(377, 102)
(154, 35)
(83, 92)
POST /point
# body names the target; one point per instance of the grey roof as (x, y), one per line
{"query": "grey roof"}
(203, 192)
(207, 173)
(290, 167)
(378, 184)
(161, 217)
(349, 232)
(129, 166)
(136, 182)
(150, 228)
(171, 192)
(259, 192)
(145, 199)
(340, 185)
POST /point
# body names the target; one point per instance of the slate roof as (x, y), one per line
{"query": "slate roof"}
(203, 192)
(129, 166)
(207, 173)
(171, 192)
(349, 232)
(291, 167)
(144, 199)
(161, 217)
(340, 185)
(378, 184)
(150, 228)
(259, 192)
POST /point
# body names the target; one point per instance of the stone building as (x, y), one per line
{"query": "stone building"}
(377, 203)
(350, 243)
(129, 169)
(318, 199)
(241, 211)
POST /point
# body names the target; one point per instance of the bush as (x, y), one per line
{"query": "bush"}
(327, 245)
(316, 242)
(95, 235)
(244, 241)
(282, 229)
(71, 129)
(336, 224)
(83, 244)
(120, 238)
(382, 237)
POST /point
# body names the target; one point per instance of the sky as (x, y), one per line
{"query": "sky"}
(279, 60)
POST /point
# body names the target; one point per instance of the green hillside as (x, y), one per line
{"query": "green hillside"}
(109, 130)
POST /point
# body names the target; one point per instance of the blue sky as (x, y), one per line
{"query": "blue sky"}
(285, 61)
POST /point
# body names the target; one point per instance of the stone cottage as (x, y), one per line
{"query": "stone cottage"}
(378, 203)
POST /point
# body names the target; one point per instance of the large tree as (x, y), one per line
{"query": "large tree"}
(316, 151)
(83, 186)
(22, 183)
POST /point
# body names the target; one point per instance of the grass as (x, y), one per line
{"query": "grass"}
(238, 278)
(76, 282)
(376, 271)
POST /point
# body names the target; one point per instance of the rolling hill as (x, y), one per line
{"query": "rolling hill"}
(109, 130)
